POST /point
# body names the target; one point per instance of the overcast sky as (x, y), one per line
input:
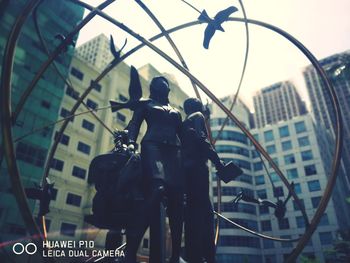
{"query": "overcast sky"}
(322, 26)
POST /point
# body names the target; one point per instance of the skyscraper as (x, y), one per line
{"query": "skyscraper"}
(96, 51)
(303, 152)
(278, 102)
(338, 70)
(43, 105)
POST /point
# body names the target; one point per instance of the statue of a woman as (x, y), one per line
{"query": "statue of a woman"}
(160, 155)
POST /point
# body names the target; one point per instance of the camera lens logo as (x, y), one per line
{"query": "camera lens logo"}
(19, 248)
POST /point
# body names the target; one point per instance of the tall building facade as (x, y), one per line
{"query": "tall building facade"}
(278, 102)
(42, 107)
(303, 151)
(96, 51)
(235, 245)
(338, 70)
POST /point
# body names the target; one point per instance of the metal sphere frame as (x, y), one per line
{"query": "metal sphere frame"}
(9, 116)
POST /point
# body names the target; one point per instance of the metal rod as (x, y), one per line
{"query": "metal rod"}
(5, 87)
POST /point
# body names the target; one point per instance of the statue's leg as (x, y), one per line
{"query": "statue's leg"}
(209, 249)
(175, 212)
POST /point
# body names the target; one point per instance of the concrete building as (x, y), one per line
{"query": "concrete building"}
(96, 51)
(43, 105)
(338, 70)
(278, 102)
(303, 152)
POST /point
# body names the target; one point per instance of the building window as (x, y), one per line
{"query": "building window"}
(287, 145)
(310, 170)
(95, 86)
(306, 155)
(145, 243)
(270, 258)
(72, 93)
(314, 185)
(54, 193)
(68, 229)
(283, 223)
(261, 194)
(57, 164)
(73, 199)
(267, 243)
(296, 207)
(79, 172)
(292, 173)
(45, 104)
(274, 177)
(300, 127)
(88, 125)
(275, 160)
(324, 220)
(303, 141)
(121, 117)
(263, 210)
(289, 159)
(65, 113)
(268, 135)
(286, 244)
(326, 238)
(266, 225)
(271, 149)
(300, 222)
(315, 201)
(31, 154)
(77, 73)
(82, 147)
(64, 139)
(278, 191)
(284, 131)
(259, 180)
(297, 188)
(258, 166)
(91, 104)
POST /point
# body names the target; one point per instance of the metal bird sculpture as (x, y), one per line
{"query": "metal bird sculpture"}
(114, 51)
(43, 194)
(135, 93)
(62, 38)
(214, 24)
(279, 206)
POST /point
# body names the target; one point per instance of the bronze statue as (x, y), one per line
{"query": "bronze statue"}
(160, 156)
(199, 218)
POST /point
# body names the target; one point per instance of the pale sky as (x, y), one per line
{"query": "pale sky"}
(322, 26)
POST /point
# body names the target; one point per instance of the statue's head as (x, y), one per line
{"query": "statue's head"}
(192, 105)
(159, 89)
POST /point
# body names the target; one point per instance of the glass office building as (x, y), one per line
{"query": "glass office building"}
(42, 107)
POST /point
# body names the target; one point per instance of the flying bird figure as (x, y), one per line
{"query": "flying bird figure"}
(214, 24)
(114, 51)
(135, 94)
(43, 194)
